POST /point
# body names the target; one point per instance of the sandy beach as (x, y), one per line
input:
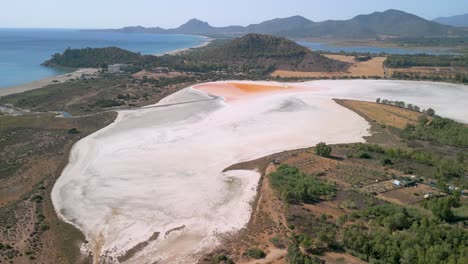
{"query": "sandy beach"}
(46, 81)
(155, 176)
(179, 51)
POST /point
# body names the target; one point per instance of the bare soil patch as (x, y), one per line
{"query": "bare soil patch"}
(407, 195)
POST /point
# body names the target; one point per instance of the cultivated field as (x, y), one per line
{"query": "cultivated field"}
(372, 67)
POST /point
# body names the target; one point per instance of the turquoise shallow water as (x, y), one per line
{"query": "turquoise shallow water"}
(23, 50)
(371, 49)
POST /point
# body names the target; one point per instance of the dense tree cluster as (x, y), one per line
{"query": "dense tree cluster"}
(294, 186)
(433, 42)
(402, 104)
(435, 77)
(397, 235)
(441, 207)
(92, 57)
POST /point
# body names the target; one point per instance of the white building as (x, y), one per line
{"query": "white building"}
(116, 67)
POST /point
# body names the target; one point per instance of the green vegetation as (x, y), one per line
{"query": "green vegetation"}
(419, 162)
(222, 259)
(263, 46)
(398, 235)
(255, 253)
(278, 242)
(363, 58)
(434, 77)
(404, 61)
(73, 131)
(294, 186)
(252, 54)
(441, 130)
(432, 42)
(322, 149)
(441, 207)
(92, 57)
(296, 256)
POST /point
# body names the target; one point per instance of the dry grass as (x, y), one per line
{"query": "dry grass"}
(383, 114)
(372, 67)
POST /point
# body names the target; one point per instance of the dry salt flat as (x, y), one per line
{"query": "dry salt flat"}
(157, 171)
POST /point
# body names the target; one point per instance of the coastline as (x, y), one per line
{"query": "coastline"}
(47, 81)
(205, 43)
(37, 84)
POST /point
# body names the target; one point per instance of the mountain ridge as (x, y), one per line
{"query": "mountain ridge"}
(455, 21)
(389, 23)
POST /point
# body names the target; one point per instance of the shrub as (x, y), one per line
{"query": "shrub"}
(386, 161)
(256, 253)
(43, 226)
(363, 155)
(294, 186)
(322, 149)
(278, 242)
(73, 131)
(222, 259)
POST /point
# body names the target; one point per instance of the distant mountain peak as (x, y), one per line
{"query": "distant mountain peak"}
(195, 26)
(196, 22)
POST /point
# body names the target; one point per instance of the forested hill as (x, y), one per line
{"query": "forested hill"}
(394, 23)
(265, 51)
(256, 45)
(92, 57)
(252, 52)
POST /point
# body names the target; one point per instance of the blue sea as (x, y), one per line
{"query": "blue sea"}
(370, 49)
(23, 50)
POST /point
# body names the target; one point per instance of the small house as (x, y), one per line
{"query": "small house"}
(396, 183)
(116, 67)
(161, 70)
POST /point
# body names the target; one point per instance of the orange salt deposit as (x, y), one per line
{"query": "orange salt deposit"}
(257, 88)
(234, 91)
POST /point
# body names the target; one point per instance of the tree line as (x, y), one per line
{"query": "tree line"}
(402, 104)
(405, 61)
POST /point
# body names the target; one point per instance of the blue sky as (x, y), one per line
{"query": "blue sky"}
(172, 13)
